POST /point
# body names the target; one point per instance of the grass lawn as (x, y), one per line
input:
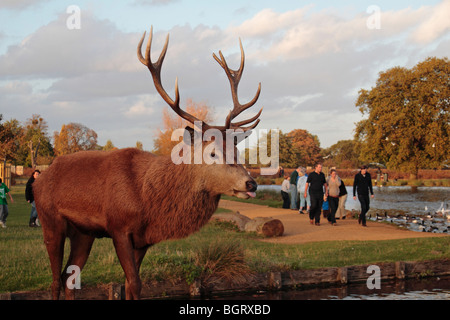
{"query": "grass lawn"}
(217, 248)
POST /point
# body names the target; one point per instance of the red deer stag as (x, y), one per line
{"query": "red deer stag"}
(134, 197)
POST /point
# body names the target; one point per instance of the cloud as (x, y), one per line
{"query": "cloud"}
(154, 2)
(16, 88)
(267, 21)
(90, 76)
(143, 107)
(20, 4)
(311, 65)
(435, 25)
(305, 33)
(54, 50)
(295, 101)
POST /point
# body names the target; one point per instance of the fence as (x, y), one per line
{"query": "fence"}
(5, 173)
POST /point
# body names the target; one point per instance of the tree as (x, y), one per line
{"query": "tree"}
(11, 135)
(262, 155)
(171, 121)
(109, 146)
(74, 137)
(408, 117)
(36, 143)
(306, 146)
(61, 141)
(288, 155)
(296, 148)
(343, 154)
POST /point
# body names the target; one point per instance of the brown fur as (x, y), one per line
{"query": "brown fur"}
(131, 196)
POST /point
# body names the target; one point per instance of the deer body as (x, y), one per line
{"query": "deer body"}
(162, 199)
(134, 197)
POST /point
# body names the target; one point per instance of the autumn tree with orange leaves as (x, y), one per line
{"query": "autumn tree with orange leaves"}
(408, 114)
(74, 137)
(305, 146)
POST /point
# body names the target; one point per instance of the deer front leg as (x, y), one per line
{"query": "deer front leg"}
(126, 254)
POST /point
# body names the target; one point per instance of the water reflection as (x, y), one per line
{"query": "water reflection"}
(412, 289)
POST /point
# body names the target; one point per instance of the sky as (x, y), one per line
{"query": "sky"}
(75, 61)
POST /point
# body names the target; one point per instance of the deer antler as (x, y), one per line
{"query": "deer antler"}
(155, 70)
(233, 76)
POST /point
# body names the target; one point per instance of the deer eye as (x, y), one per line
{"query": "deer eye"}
(213, 154)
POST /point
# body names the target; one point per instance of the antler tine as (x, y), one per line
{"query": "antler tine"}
(244, 122)
(155, 70)
(234, 76)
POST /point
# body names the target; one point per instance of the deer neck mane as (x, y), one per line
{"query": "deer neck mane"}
(184, 203)
(188, 184)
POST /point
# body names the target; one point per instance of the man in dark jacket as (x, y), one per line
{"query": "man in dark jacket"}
(318, 193)
(363, 185)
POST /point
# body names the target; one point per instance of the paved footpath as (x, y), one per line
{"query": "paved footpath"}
(297, 228)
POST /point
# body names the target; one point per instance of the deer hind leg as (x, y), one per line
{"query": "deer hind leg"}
(80, 248)
(130, 262)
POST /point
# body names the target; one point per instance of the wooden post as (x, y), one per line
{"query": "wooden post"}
(342, 275)
(275, 282)
(400, 270)
(115, 292)
(195, 290)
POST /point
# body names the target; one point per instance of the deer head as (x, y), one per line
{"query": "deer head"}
(229, 175)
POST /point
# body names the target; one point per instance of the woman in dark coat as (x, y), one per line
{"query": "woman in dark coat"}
(30, 198)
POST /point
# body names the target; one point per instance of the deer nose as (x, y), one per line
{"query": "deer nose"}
(251, 185)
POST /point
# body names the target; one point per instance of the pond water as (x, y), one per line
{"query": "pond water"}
(412, 289)
(422, 209)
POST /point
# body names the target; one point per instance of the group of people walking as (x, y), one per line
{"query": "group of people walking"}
(314, 190)
(4, 191)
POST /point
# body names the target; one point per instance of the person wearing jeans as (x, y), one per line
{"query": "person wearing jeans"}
(30, 198)
(4, 190)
